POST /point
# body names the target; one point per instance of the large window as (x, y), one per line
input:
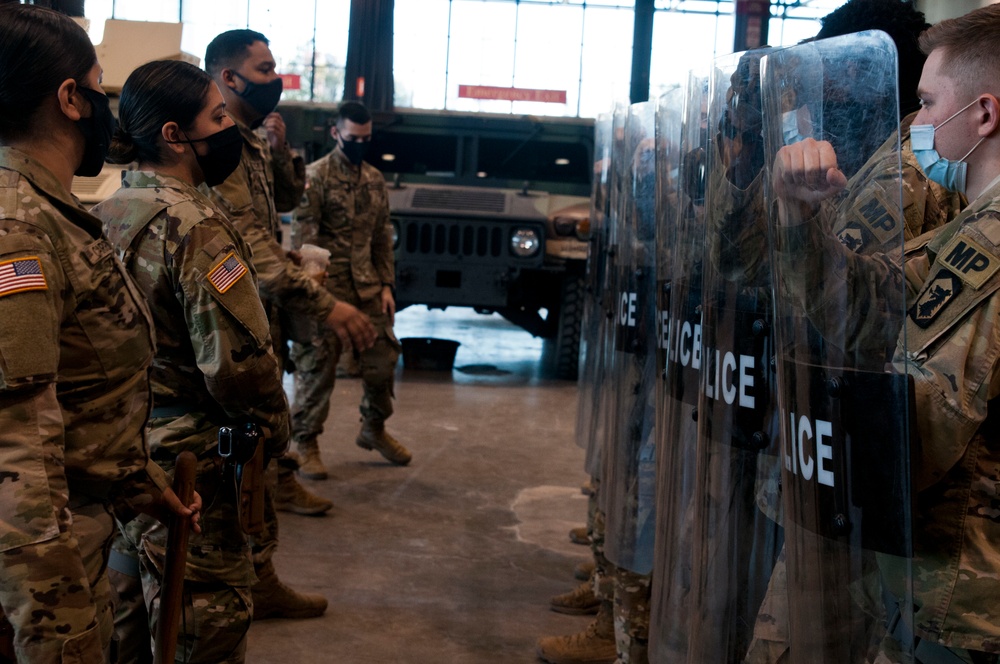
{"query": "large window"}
(580, 49)
(308, 37)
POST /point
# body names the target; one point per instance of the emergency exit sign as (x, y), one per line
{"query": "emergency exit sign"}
(290, 81)
(511, 94)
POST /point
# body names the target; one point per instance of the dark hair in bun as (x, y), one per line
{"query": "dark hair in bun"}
(156, 93)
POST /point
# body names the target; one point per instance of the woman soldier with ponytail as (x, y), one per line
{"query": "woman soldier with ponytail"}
(214, 365)
(75, 345)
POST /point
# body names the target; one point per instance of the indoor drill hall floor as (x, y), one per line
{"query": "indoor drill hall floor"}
(453, 558)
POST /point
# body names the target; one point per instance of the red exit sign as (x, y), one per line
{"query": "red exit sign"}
(290, 81)
(512, 94)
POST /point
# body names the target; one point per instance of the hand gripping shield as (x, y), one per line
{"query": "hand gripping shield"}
(843, 395)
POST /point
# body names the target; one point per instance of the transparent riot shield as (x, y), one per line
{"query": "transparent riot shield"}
(735, 540)
(671, 588)
(618, 202)
(591, 373)
(843, 394)
(629, 483)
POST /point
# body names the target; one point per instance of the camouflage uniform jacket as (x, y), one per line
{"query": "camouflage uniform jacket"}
(346, 210)
(739, 236)
(214, 360)
(248, 199)
(75, 345)
(951, 346)
(213, 354)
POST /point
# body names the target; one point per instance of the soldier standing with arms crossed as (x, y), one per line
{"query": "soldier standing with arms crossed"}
(346, 210)
(241, 64)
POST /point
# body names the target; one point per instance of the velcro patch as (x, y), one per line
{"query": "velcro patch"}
(21, 274)
(969, 260)
(852, 237)
(938, 294)
(227, 273)
(880, 215)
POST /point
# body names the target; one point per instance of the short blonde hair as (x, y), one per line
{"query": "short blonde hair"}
(971, 46)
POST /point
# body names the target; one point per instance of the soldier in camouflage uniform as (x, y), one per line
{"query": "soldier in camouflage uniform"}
(346, 210)
(267, 178)
(75, 344)
(214, 363)
(926, 206)
(949, 338)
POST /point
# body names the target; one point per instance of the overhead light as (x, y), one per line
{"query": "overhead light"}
(481, 174)
(388, 157)
(562, 161)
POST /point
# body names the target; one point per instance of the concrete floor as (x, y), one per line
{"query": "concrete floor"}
(452, 559)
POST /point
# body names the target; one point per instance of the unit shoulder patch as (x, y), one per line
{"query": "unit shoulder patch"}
(21, 274)
(224, 275)
(969, 260)
(938, 294)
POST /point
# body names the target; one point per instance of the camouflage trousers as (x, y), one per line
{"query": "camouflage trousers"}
(316, 372)
(215, 618)
(217, 605)
(604, 571)
(59, 617)
(265, 543)
(631, 616)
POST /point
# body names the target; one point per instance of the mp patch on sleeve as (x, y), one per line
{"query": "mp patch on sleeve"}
(21, 274)
(970, 261)
(227, 273)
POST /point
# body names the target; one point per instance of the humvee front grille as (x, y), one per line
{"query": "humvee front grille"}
(460, 200)
(432, 238)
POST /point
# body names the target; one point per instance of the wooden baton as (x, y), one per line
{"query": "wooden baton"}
(172, 588)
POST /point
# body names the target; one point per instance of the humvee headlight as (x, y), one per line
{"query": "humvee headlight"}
(395, 234)
(524, 242)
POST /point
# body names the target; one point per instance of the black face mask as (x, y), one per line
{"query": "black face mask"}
(225, 148)
(97, 131)
(262, 97)
(355, 151)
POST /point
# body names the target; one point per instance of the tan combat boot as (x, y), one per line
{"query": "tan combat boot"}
(578, 602)
(273, 599)
(594, 645)
(290, 496)
(584, 570)
(579, 535)
(373, 436)
(311, 467)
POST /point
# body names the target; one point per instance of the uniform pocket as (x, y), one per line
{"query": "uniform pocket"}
(84, 648)
(26, 512)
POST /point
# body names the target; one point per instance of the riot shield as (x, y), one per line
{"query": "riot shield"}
(735, 543)
(618, 207)
(671, 588)
(591, 373)
(844, 399)
(629, 483)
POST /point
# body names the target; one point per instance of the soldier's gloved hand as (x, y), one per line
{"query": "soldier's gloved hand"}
(352, 326)
(295, 256)
(804, 174)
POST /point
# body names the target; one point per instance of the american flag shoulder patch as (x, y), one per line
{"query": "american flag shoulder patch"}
(227, 273)
(21, 274)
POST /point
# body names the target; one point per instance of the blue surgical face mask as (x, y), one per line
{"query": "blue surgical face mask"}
(790, 127)
(949, 174)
